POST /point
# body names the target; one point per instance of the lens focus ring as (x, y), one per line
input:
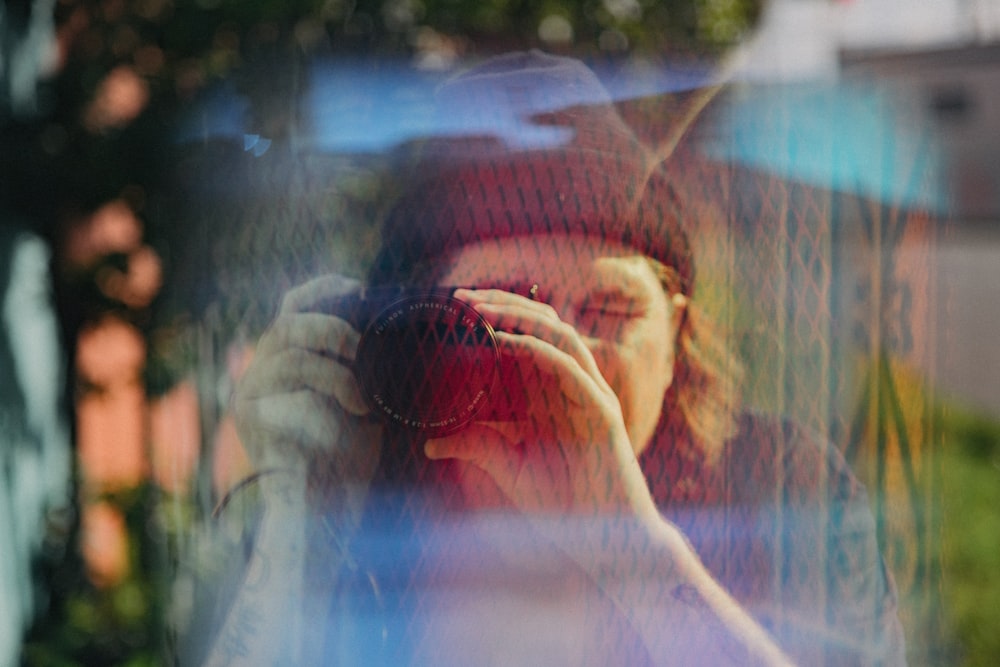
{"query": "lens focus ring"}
(428, 363)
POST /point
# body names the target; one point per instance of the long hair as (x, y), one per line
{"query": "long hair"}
(701, 406)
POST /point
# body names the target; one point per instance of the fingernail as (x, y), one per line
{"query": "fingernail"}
(431, 449)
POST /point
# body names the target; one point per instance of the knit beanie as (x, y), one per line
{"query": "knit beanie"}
(541, 149)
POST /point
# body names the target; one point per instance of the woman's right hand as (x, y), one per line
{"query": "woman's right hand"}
(299, 407)
(299, 412)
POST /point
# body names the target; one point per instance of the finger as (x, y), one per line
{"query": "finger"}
(311, 331)
(310, 295)
(298, 417)
(304, 420)
(562, 335)
(503, 297)
(485, 447)
(535, 476)
(538, 357)
(513, 312)
(293, 369)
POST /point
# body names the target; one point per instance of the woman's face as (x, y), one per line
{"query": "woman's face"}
(608, 293)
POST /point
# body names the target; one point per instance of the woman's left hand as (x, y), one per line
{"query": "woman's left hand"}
(571, 454)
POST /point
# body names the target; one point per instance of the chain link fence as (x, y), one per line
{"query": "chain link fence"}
(826, 295)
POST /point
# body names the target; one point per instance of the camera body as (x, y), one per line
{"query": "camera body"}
(429, 363)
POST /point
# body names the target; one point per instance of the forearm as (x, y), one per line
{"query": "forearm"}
(264, 623)
(681, 614)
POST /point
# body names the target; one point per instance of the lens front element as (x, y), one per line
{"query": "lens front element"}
(428, 363)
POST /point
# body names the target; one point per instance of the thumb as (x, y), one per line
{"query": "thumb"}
(493, 447)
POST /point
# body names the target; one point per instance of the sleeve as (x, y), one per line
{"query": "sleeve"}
(838, 600)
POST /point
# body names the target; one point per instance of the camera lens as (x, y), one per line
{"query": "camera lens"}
(428, 363)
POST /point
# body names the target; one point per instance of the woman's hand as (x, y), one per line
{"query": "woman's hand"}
(570, 465)
(299, 411)
(572, 453)
(299, 407)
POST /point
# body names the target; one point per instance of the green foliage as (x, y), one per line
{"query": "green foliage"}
(970, 504)
(121, 624)
(647, 26)
(725, 22)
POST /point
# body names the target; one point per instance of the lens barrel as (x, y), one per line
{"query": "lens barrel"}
(428, 362)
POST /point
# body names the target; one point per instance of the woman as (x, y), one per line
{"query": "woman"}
(628, 516)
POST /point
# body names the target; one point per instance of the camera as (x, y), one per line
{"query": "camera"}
(429, 363)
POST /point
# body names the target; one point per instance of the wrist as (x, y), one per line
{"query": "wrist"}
(619, 548)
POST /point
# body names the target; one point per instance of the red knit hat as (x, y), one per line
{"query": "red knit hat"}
(561, 160)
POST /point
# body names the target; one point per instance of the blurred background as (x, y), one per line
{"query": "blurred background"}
(168, 168)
